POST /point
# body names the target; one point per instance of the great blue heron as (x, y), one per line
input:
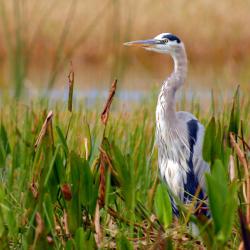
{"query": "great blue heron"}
(179, 135)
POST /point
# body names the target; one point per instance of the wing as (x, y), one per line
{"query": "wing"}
(200, 166)
(180, 157)
(195, 133)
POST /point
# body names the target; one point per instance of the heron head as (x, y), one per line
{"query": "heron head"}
(166, 43)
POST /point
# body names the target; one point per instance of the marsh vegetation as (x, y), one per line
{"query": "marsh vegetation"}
(81, 174)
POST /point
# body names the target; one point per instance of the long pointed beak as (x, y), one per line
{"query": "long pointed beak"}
(143, 43)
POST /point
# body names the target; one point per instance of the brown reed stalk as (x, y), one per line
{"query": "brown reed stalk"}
(46, 126)
(105, 112)
(71, 78)
(98, 230)
(243, 161)
(39, 229)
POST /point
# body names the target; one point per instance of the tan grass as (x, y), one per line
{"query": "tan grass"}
(216, 33)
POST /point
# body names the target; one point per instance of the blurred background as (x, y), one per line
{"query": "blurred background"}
(40, 39)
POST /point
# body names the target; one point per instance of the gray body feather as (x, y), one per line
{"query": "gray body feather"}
(179, 137)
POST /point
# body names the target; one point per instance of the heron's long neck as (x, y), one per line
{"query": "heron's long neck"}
(172, 84)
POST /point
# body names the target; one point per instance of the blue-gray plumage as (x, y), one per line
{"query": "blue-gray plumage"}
(192, 183)
(179, 135)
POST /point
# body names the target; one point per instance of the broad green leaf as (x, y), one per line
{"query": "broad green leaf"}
(235, 114)
(162, 204)
(108, 188)
(208, 144)
(60, 168)
(4, 145)
(51, 165)
(70, 245)
(222, 201)
(74, 205)
(48, 211)
(2, 213)
(230, 211)
(84, 240)
(1, 225)
(4, 139)
(83, 183)
(11, 221)
(123, 244)
(17, 161)
(88, 188)
(126, 178)
(62, 139)
(79, 239)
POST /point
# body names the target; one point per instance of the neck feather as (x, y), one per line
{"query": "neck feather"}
(173, 83)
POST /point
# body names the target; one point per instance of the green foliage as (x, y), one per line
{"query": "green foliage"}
(235, 113)
(4, 145)
(163, 208)
(84, 240)
(215, 145)
(210, 140)
(123, 243)
(223, 201)
(49, 195)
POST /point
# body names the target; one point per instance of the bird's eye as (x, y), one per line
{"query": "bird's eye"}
(165, 40)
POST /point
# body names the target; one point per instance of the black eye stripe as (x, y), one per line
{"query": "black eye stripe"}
(171, 37)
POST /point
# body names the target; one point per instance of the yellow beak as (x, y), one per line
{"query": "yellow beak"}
(143, 43)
